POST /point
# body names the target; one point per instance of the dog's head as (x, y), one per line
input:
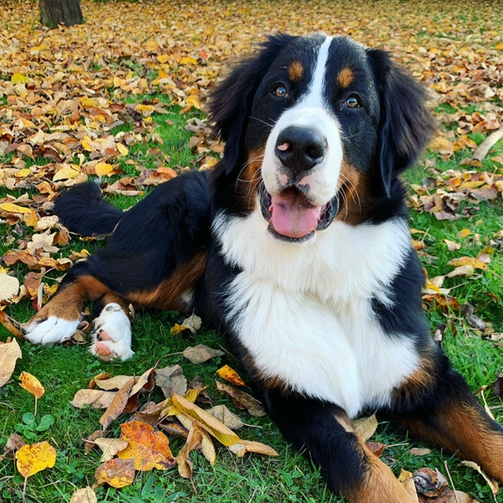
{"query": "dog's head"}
(316, 128)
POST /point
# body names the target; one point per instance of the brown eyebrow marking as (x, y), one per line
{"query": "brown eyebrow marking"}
(345, 77)
(295, 71)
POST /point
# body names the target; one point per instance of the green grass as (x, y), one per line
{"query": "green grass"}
(290, 477)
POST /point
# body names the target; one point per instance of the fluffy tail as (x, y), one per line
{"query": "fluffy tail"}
(83, 211)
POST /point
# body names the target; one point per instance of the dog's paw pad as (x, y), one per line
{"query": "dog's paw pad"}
(111, 338)
(50, 331)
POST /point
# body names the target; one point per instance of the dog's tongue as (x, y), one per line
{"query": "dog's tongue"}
(292, 215)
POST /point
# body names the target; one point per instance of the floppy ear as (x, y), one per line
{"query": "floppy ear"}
(231, 101)
(405, 124)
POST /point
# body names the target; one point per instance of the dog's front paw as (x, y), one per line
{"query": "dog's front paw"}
(50, 330)
(111, 337)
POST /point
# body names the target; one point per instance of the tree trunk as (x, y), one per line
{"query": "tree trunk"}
(56, 12)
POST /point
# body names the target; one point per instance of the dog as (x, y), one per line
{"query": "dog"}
(296, 246)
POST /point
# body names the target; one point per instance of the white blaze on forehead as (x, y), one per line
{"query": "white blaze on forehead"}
(312, 111)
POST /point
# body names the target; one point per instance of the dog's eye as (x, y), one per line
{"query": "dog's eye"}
(280, 91)
(353, 101)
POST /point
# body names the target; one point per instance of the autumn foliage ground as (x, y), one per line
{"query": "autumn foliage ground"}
(122, 97)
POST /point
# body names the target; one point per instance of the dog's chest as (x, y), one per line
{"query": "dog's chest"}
(303, 312)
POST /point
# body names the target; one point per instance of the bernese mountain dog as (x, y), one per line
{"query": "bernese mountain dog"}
(296, 246)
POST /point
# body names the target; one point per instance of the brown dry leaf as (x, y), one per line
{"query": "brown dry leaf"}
(5, 321)
(418, 451)
(116, 473)
(9, 286)
(493, 484)
(215, 428)
(429, 482)
(365, 427)
(244, 446)
(31, 459)
(144, 382)
(85, 495)
(451, 245)
(376, 448)
(118, 404)
(9, 353)
(32, 384)
(225, 416)
(229, 374)
(242, 400)
(407, 481)
(462, 270)
(109, 383)
(194, 441)
(201, 353)
(148, 448)
(110, 447)
(207, 448)
(171, 380)
(94, 398)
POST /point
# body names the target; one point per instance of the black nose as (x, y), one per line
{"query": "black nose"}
(300, 148)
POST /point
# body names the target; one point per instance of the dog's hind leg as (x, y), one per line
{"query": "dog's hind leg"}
(60, 317)
(437, 406)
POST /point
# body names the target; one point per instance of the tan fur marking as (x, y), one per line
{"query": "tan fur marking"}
(345, 77)
(353, 201)
(295, 71)
(68, 303)
(464, 430)
(249, 178)
(380, 486)
(168, 294)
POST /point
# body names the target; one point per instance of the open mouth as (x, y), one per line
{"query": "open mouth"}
(292, 217)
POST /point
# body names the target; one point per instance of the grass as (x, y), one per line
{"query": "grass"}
(290, 477)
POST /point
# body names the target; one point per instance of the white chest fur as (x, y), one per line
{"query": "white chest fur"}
(303, 311)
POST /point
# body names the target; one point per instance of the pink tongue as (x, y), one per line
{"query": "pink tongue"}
(292, 215)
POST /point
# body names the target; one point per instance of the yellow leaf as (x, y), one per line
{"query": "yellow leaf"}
(31, 459)
(475, 263)
(19, 78)
(163, 58)
(463, 233)
(13, 208)
(30, 219)
(214, 427)
(68, 171)
(23, 173)
(188, 59)
(32, 384)
(193, 102)
(122, 149)
(499, 46)
(229, 374)
(103, 168)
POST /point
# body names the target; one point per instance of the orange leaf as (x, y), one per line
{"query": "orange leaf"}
(475, 263)
(116, 473)
(31, 459)
(230, 375)
(149, 448)
(32, 384)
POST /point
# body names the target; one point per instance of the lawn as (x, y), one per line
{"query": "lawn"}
(122, 97)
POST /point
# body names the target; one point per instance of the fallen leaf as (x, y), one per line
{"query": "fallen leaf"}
(493, 484)
(9, 286)
(110, 447)
(108, 383)
(148, 448)
(85, 495)
(242, 400)
(94, 398)
(215, 428)
(5, 321)
(244, 446)
(31, 459)
(418, 451)
(32, 384)
(9, 353)
(117, 405)
(451, 245)
(229, 374)
(407, 481)
(462, 270)
(365, 427)
(201, 353)
(225, 416)
(171, 380)
(207, 448)
(194, 441)
(475, 263)
(429, 482)
(116, 473)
